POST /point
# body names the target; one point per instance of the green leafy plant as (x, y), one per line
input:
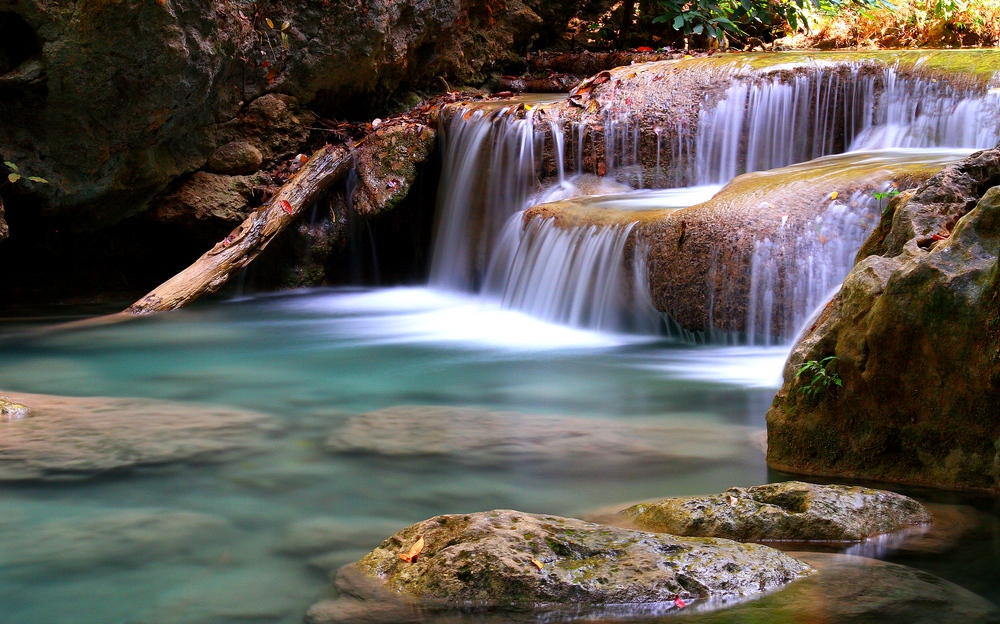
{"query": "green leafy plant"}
(821, 375)
(15, 175)
(882, 196)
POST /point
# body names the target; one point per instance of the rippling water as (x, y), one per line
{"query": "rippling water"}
(253, 540)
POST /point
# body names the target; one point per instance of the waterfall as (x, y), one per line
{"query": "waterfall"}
(791, 275)
(781, 121)
(499, 159)
(574, 276)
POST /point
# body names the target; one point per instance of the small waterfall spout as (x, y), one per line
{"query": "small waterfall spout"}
(574, 275)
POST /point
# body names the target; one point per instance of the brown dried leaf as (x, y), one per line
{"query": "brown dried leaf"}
(411, 556)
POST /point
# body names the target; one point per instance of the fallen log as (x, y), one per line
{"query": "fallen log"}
(214, 268)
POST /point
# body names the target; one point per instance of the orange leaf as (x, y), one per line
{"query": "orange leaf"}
(411, 556)
(538, 564)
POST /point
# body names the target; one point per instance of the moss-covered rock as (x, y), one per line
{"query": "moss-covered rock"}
(916, 332)
(792, 510)
(512, 560)
(11, 410)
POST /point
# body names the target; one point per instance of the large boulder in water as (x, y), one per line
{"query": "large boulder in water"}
(789, 511)
(511, 560)
(915, 333)
(122, 98)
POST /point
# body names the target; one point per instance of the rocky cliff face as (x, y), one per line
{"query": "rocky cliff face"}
(916, 330)
(111, 101)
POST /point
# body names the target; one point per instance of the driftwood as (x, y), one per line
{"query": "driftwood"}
(214, 268)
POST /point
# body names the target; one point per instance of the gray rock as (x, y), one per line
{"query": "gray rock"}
(235, 158)
(861, 591)
(122, 99)
(69, 437)
(783, 511)
(915, 333)
(513, 560)
(554, 443)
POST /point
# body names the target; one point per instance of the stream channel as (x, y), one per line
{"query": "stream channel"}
(389, 405)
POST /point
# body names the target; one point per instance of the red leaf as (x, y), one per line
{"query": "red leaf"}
(265, 63)
(644, 49)
(680, 604)
(286, 206)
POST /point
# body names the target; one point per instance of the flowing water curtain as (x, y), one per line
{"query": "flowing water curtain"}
(492, 167)
(571, 275)
(794, 273)
(782, 120)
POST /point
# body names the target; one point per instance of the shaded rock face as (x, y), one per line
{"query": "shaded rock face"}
(4, 230)
(112, 101)
(783, 511)
(554, 444)
(74, 438)
(915, 328)
(509, 559)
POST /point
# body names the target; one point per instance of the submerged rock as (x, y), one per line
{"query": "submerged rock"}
(71, 437)
(123, 538)
(553, 443)
(789, 511)
(510, 560)
(861, 591)
(915, 333)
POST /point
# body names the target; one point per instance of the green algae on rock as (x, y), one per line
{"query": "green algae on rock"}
(915, 328)
(505, 559)
(789, 511)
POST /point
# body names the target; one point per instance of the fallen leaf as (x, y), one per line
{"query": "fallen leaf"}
(822, 239)
(834, 195)
(644, 49)
(940, 237)
(680, 604)
(538, 564)
(270, 24)
(411, 556)
(286, 206)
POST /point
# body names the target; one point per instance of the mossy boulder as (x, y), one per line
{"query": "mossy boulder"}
(790, 511)
(11, 410)
(916, 331)
(507, 560)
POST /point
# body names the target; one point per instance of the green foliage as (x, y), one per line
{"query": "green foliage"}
(882, 196)
(821, 377)
(15, 175)
(738, 18)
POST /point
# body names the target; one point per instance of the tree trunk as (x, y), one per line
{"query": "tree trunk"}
(628, 14)
(212, 270)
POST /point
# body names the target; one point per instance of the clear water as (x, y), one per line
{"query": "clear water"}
(311, 360)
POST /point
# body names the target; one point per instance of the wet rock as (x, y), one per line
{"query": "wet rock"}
(124, 538)
(235, 158)
(789, 511)
(786, 222)
(864, 591)
(915, 331)
(483, 438)
(72, 438)
(122, 99)
(387, 166)
(209, 200)
(512, 560)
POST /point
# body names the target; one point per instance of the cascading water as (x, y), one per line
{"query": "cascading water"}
(501, 159)
(780, 121)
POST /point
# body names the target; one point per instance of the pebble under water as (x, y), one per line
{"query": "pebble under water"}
(602, 420)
